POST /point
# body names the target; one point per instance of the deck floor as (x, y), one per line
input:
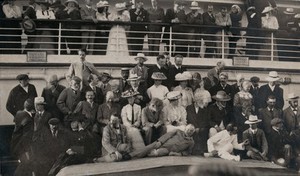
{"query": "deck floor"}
(168, 165)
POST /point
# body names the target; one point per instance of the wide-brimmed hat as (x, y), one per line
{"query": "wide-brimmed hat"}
(267, 9)
(273, 76)
(289, 11)
(141, 56)
(22, 77)
(195, 6)
(252, 120)
(181, 77)
(129, 93)
(292, 96)
(102, 4)
(250, 8)
(75, 1)
(158, 76)
(53, 121)
(125, 69)
(221, 96)
(174, 95)
(28, 25)
(120, 6)
(39, 100)
(297, 16)
(133, 77)
(276, 121)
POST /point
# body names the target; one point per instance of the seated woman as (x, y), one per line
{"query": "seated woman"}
(131, 117)
(244, 98)
(175, 115)
(187, 92)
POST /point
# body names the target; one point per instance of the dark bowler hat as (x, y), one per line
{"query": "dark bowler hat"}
(54, 121)
(22, 77)
(254, 79)
(28, 25)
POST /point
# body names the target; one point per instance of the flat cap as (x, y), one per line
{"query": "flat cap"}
(276, 121)
(53, 121)
(254, 79)
(22, 77)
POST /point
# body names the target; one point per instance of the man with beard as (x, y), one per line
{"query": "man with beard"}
(140, 69)
(291, 115)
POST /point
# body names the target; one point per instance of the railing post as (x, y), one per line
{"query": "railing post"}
(170, 41)
(223, 44)
(118, 40)
(59, 38)
(272, 46)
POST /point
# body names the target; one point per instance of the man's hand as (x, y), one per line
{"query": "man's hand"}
(175, 154)
(214, 153)
(70, 152)
(157, 144)
(246, 142)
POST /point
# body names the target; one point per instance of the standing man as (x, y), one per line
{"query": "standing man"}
(19, 94)
(140, 69)
(136, 38)
(291, 115)
(159, 67)
(209, 20)
(82, 68)
(213, 74)
(175, 69)
(88, 13)
(41, 116)
(272, 88)
(51, 94)
(156, 15)
(98, 94)
(260, 5)
(254, 91)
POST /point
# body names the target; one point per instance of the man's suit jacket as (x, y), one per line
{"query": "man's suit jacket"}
(143, 16)
(276, 141)
(104, 113)
(199, 120)
(265, 91)
(149, 118)
(216, 115)
(18, 96)
(143, 72)
(156, 69)
(83, 72)
(68, 100)
(173, 71)
(87, 13)
(254, 93)
(51, 99)
(260, 138)
(209, 21)
(290, 119)
(99, 96)
(40, 121)
(30, 12)
(154, 16)
(266, 117)
(89, 112)
(213, 76)
(22, 134)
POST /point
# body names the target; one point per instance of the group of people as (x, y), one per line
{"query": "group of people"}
(156, 111)
(98, 37)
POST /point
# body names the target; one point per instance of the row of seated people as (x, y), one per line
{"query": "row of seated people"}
(172, 112)
(105, 44)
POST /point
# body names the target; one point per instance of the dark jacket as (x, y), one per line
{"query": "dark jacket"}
(99, 96)
(277, 141)
(265, 91)
(290, 119)
(173, 71)
(260, 138)
(266, 117)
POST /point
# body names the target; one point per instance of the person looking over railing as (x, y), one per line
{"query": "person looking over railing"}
(58, 9)
(11, 10)
(236, 17)
(223, 19)
(103, 30)
(136, 37)
(209, 20)
(44, 12)
(88, 13)
(156, 15)
(194, 18)
(117, 40)
(30, 12)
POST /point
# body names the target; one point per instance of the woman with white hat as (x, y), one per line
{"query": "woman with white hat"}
(174, 113)
(187, 92)
(117, 40)
(157, 90)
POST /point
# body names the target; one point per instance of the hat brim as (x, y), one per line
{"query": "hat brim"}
(159, 79)
(144, 58)
(266, 11)
(221, 99)
(272, 79)
(195, 8)
(129, 96)
(175, 98)
(252, 122)
(294, 98)
(133, 79)
(186, 79)
(66, 3)
(120, 9)
(27, 29)
(289, 13)
(39, 103)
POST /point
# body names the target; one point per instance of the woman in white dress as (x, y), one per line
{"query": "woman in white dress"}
(117, 40)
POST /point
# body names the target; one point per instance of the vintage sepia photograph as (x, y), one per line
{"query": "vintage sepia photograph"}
(149, 87)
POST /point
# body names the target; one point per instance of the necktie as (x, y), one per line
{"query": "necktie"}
(132, 117)
(295, 111)
(272, 114)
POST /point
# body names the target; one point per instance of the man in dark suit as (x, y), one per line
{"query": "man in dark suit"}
(159, 67)
(258, 145)
(254, 91)
(268, 113)
(68, 100)
(213, 73)
(280, 151)
(198, 115)
(136, 37)
(41, 116)
(260, 4)
(253, 44)
(176, 15)
(19, 94)
(175, 69)
(93, 82)
(156, 15)
(22, 139)
(140, 69)
(51, 94)
(30, 12)
(291, 115)
(123, 81)
(209, 20)
(272, 88)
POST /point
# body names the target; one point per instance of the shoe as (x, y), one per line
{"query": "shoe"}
(153, 153)
(208, 155)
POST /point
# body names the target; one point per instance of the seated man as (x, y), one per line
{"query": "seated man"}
(152, 121)
(115, 143)
(258, 146)
(175, 143)
(279, 144)
(223, 143)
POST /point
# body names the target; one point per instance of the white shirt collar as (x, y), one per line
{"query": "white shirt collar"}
(253, 131)
(252, 15)
(158, 66)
